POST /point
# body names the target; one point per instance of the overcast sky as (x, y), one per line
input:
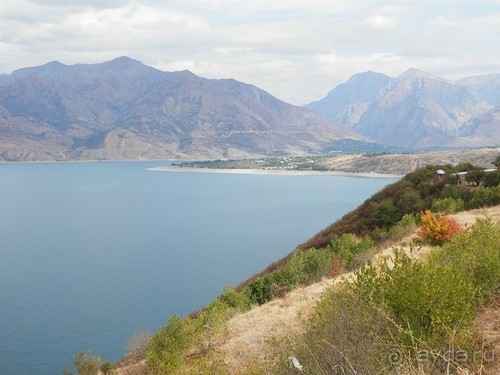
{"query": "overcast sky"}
(297, 50)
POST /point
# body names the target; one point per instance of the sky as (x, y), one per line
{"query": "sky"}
(297, 50)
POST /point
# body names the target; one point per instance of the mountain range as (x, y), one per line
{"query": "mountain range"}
(417, 110)
(123, 109)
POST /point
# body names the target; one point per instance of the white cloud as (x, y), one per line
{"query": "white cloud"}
(380, 22)
(295, 49)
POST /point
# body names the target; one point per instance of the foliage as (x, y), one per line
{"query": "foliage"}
(455, 192)
(491, 179)
(405, 313)
(385, 214)
(413, 193)
(437, 229)
(448, 205)
(475, 176)
(475, 253)
(485, 196)
(348, 246)
(345, 336)
(198, 335)
(88, 364)
(168, 346)
(234, 300)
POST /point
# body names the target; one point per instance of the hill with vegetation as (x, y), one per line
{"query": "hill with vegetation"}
(385, 163)
(398, 312)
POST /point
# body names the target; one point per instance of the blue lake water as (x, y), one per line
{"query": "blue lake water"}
(92, 253)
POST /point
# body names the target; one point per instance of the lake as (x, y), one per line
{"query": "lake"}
(92, 253)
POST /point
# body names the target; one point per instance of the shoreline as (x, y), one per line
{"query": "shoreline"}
(275, 172)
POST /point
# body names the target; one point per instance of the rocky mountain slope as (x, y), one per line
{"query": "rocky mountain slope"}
(122, 109)
(417, 110)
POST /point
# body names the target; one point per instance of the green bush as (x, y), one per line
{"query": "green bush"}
(234, 300)
(345, 336)
(304, 267)
(168, 346)
(485, 196)
(475, 253)
(385, 214)
(491, 179)
(398, 231)
(456, 192)
(349, 246)
(88, 364)
(261, 290)
(448, 205)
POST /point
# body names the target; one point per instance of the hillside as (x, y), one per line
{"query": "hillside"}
(417, 110)
(123, 109)
(251, 336)
(391, 164)
(255, 326)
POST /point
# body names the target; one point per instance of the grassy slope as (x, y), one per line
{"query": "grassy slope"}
(248, 335)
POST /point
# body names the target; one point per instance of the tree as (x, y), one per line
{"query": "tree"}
(385, 214)
(475, 176)
(437, 229)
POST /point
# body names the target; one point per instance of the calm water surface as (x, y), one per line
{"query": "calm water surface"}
(92, 253)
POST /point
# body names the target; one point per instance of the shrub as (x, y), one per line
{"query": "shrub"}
(437, 229)
(234, 300)
(168, 346)
(348, 246)
(448, 205)
(485, 196)
(385, 214)
(491, 179)
(475, 253)
(261, 290)
(304, 267)
(345, 336)
(398, 231)
(86, 363)
(456, 192)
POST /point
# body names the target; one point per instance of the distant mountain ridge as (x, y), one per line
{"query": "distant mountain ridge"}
(122, 109)
(417, 110)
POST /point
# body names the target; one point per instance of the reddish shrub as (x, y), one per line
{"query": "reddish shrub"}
(437, 229)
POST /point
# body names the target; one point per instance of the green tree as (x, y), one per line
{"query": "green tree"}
(385, 214)
(475, 176)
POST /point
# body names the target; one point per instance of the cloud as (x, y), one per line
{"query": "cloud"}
(296, 49)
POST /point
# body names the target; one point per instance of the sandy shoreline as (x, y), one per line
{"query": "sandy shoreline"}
(277, 172)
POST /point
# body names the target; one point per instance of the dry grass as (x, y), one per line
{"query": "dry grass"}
(248, 335)
(488, 325)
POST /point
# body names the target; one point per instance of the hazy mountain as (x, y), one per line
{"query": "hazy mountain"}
(123, 109)
(487, 87)
(414, 110)
(348, 101)
(481, 130)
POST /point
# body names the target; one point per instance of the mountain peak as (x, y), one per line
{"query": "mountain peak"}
(414, 73)
(123, 62)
